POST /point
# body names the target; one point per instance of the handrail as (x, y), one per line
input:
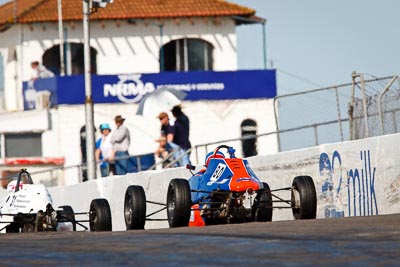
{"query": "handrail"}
(186, 152)
(164, 160)
(82, 165)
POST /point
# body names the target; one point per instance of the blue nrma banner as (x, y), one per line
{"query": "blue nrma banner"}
(131, 88)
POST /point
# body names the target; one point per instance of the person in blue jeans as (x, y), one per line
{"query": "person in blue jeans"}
(170, 152)
(104, 151)
(175, 133)
(121, 140)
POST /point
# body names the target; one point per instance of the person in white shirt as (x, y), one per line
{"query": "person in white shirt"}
(104, 151)
(121, 140)
(39, 71)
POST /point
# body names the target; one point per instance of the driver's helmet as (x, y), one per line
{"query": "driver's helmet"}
(25, 179)
(209, 156)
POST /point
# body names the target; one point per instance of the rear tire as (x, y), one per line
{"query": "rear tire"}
(304, 198)
(135, 208)
(263, 207)
(100, 215)
(178, 203)
(67, 215)
(13, 228)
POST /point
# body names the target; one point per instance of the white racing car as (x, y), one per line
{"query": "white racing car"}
(28, 207)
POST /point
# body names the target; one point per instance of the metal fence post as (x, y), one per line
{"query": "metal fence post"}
(365, 106)
(339, 117)
(382, 93)
(351, 105)
(278, 138)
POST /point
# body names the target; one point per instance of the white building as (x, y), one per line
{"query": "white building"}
(126, 37)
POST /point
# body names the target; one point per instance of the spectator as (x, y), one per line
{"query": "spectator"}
(171, 153)
(39, 71)
(121, 140)
(104, 151)
(167, 129)
(174, 133)
(162, 150)
(181, 127)
(181, 118)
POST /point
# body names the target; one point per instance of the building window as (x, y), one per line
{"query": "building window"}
(74, 59)
(186, 55)
(249, 142)
(23, 145)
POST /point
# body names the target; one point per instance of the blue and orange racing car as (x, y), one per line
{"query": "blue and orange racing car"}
(226, 191)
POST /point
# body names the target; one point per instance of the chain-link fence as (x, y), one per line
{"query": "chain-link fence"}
(327, 115)
(376, 110)
(356, 110)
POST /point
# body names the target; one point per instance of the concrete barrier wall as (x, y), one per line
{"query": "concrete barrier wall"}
(352, 179)
(155, 184)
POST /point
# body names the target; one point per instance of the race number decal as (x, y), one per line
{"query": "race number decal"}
(219, 170)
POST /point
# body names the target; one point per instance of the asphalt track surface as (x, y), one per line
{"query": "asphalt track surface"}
(356, 241)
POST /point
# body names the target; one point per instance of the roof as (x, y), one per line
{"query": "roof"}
(35, 11)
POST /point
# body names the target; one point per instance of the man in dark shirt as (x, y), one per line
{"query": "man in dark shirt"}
(167, 129)
(182, 125)
(181, 117)
(175, 133)
(180, 137)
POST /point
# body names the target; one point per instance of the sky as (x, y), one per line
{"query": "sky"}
(315, 44)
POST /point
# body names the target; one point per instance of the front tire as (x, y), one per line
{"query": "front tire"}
(304, 198)
(100, 215)
(178, 203)
(135, 208)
